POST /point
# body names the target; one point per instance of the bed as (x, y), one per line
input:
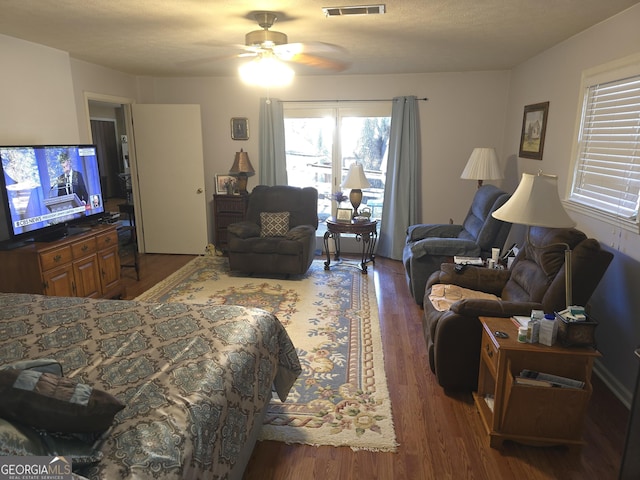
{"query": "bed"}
(193, 380)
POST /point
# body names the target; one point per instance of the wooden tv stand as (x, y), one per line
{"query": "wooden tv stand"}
(82, 265)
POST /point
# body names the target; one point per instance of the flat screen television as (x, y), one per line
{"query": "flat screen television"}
(47, 190)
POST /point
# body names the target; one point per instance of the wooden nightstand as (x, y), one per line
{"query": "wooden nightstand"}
(227, 209)
(530, 414)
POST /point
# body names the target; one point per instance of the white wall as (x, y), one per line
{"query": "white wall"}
(555, 76)
(96, 80)
(465, 110)
(36, 95)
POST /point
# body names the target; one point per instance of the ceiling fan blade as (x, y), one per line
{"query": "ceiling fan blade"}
(219, 58)
(317, 61)
(308, 47)
(314, 54)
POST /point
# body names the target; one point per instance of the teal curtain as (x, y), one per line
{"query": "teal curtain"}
(272, 163)
(401, 186)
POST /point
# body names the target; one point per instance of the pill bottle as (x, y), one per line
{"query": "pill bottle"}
(522, 334)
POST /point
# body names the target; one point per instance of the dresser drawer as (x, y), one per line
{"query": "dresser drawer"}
(54, 258)
(84, 247)
(489, 351)
(234, 204)
(107, 240)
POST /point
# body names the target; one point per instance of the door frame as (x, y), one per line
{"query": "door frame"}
(125, 103)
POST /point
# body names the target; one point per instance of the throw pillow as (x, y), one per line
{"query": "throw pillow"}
(54, 403)
(46, 365)
(274, 224)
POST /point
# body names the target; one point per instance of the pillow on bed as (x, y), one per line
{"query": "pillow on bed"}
(54, 403)
(274, 224)
(46, 365)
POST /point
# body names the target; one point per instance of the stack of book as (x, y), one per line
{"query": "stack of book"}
(539, 379)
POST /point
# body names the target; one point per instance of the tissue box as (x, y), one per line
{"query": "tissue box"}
(576, 334)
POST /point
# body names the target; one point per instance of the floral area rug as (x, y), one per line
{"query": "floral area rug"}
(341, 398)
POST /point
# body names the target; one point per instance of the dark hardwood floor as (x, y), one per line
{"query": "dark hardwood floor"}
(440, 433)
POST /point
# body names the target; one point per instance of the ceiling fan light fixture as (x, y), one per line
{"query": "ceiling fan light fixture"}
(267, 38)
(266, 71)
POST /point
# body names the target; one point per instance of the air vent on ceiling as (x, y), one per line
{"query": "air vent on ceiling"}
(354, 10)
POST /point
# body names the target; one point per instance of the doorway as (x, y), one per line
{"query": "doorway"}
(171, 189)
(105, 137)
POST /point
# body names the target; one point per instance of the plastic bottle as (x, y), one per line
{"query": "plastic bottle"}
(522, 334)
(535, 337)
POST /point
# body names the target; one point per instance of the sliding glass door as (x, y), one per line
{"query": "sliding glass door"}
(323, 140)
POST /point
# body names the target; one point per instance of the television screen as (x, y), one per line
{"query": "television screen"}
(47, 187)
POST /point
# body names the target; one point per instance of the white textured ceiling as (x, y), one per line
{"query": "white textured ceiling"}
(168, 37)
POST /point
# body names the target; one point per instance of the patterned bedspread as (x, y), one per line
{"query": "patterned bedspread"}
(194, 378)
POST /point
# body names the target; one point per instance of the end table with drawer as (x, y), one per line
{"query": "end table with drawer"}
(533, 415)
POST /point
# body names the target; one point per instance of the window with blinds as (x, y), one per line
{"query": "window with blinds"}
(607, 165)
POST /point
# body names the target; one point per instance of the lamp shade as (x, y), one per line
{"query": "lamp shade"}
(482, 165)
(355, 177)
(242, 164)
(535, 203)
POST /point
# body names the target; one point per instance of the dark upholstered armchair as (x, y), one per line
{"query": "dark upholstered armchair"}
(429, 245)
(536, 281)
(278, 234)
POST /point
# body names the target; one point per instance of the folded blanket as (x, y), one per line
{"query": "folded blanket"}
(442, 296)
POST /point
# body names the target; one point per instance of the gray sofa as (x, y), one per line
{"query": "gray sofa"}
(289, 251)
(429, 245)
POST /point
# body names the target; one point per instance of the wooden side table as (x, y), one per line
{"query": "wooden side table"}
(365, 232)
(530, 414)
(227, 209)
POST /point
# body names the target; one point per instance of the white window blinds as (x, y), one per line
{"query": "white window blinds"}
(607, 173)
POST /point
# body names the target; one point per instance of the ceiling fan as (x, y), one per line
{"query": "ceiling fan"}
(269, 43)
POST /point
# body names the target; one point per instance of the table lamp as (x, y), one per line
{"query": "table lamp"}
(482, 165)
(536, 203)
(242, 168)
(355, 181)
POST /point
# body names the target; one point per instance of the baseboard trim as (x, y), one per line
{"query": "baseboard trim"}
(619, 390)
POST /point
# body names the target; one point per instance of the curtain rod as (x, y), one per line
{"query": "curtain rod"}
(339, 101)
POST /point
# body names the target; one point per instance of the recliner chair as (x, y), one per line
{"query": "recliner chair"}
(429, 245)
(278, 234)
(536, 281)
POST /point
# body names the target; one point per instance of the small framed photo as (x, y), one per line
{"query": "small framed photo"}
(344, 214)
(240, 128)
(534, 127)
(226, 184)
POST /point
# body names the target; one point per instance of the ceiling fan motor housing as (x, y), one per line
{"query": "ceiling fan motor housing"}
(262, 37)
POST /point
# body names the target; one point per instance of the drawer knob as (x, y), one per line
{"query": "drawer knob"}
(57, 258)
(85, 247)
(489, 351)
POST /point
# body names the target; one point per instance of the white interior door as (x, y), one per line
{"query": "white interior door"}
(169, 167)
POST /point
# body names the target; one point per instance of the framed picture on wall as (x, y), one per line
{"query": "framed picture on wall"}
(240, 128)
(534, 127)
